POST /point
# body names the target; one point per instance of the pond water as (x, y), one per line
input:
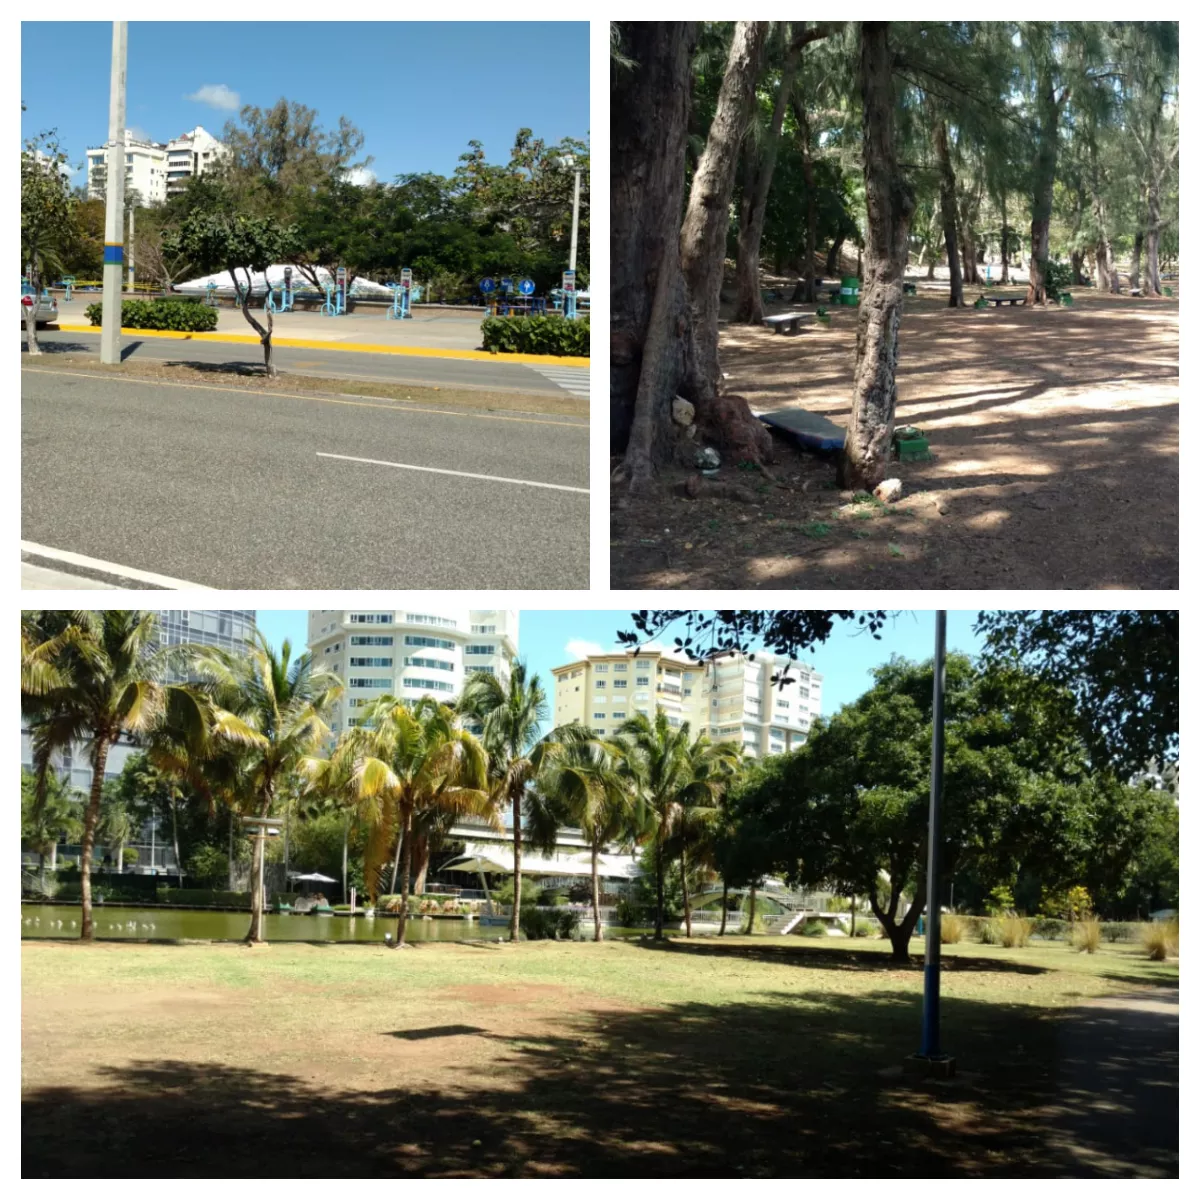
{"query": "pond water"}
(113, 921)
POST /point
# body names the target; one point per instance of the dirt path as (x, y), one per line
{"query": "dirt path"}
(1055, 442)
(1118, 1064)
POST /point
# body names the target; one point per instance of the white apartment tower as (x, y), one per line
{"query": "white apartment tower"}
(156, 170)
(410, 653)
(731, 698)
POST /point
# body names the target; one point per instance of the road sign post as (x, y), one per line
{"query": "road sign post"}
(568, 289)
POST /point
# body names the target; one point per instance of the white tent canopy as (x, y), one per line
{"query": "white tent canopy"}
(498, 860)
(313, 878)
(363, 288)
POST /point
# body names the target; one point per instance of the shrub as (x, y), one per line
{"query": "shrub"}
(203, 896)
(1085, 935)
(989, 933)
(629, 913)
(1161, 938)
(953, 929)
(183, 313)
(999, 901)
(130, 856)
(208, 866)
(1050, 928)
(1118, 931)
(537, 335)
(814, 929)
(1014, 932)
(1058, 278)
(544, 924)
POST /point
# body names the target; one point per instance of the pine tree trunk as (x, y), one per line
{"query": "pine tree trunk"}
(515, 923)
(810, 216)
(91, 816)
(759, 168)
(405, 881)
(1003, 237)
(687, 903)
(706, 221)
(649, 330)
(724, 906)
(853, 913)
(1153, 228)
(833, 260)
(752, 910)
(596, 892)
(1077, 267)
(658, 882)
(867, 451)
(1135, 272)
(1044, 166)
(949, 210)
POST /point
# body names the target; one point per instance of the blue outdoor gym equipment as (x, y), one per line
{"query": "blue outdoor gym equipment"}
(68, 282)
(335, 296)
(210, 295)
(401, 297)
(568, 287)
(287, 299)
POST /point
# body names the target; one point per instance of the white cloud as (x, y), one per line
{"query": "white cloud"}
(577, 648)
(217, 95)
(363, 176)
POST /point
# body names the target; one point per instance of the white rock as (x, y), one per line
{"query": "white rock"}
(708, 459)
(889, 491)
(683, 412)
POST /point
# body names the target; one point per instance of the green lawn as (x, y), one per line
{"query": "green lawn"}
(763, 1056)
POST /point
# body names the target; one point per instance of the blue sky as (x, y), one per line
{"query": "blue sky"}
(551, 638)
(418, 91)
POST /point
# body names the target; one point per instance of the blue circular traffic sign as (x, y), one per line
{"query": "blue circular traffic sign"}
(526, 286)
(487, 285)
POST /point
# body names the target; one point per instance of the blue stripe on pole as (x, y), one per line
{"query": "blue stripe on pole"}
(114, 252)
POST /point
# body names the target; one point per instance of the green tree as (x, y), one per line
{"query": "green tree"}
(47, 220)
(106, 678)
(229, 239)
(402, 769)
(45, 824)
(267, 717)
(678, 780)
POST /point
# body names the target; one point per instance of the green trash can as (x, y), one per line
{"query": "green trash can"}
(849, 292)
(1067, 298)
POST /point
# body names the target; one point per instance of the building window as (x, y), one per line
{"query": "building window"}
(360, 639)
(783, 704)
(370, 662)
(433, 643)
(598, 684)
(643, 681)
(618, 716)
(483, 629)
(429, 685)
(433, 664)
(371, 618)
(424, 619)
(601, 668)
(377, 685)
(620, 683)
(620, 668)
(641, 696)
(487, 648)
(599, 716)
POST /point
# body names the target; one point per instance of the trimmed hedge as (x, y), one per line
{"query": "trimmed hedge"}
(537, 335)
(203, 896)
(183, 313)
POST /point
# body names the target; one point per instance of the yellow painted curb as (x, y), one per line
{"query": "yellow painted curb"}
(250, 339)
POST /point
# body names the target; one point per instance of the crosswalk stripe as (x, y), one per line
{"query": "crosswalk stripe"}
(576, 380)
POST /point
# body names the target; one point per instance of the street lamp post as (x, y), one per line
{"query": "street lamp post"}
(931, 1058)
(575, 219)
(114, 204)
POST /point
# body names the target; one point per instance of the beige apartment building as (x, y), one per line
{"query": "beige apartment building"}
(730, 698)
(410, 654)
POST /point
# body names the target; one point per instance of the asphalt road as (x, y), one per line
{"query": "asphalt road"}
(234, 489)
(336, 364)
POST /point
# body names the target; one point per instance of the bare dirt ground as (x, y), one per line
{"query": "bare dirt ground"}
(1054, 436)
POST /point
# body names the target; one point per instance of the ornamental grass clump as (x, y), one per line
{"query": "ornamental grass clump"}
(1161, 939)
(1014, 932)
(1085, 935)
(953, 929)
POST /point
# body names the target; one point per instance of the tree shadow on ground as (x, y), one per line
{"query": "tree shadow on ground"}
(797, 1083)
(58, 348)
(834, 958)
(255, 369)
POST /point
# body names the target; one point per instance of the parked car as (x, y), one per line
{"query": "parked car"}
(46, 312)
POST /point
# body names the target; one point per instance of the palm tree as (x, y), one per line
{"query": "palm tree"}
(585, 786)
(678, 781)
(266, 718)
(402, 770)
(104, 678)
(511, 715)
(44, 825)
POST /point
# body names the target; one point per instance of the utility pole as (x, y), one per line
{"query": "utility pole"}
(114, 204)
(931, 1059)
(575, 220)
(131, 287)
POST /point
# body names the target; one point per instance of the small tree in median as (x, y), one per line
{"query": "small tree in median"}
(47, 219)
(233, 242)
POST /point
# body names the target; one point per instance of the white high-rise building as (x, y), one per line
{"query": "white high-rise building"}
(731, 698)
(409, 653)
(156, 170)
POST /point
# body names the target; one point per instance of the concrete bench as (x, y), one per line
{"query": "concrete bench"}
(999, 300)
(786, 322)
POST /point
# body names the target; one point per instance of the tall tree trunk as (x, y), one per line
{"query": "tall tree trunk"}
(42, 871)
(687, 902)
(899, 932)
(345, 857)
(1045, 165)
(649, 331)
(724, 906)
(27, 316)
(810, 207)
(1003, 236)
(1077, 267)
(932, 263)
(254, 934)
(91, 816)
(949, 207)
(1105, 278)
(833, 260)
(853, 913)
(175, 836)
(750, 912)
(706, 221)
(1153, 228)
(264, 335)
(515, 923)
(759, 168)
(405, 880)
(420, 862)
(1135, 271)
(396, 860)
(658, 884)
(231, 820)
(864, 461)
(596, 892)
